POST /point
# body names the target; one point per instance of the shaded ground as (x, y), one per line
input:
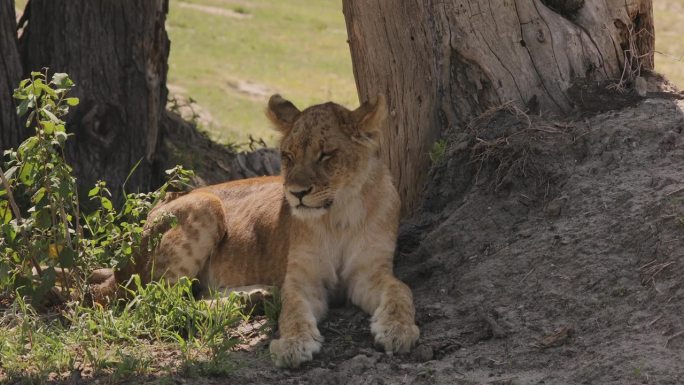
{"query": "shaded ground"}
(559, 262)
(546, 252)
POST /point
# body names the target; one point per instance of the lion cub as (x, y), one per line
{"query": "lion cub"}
(327, 225)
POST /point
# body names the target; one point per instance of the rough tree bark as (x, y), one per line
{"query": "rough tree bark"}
(116, 52)
(11, 134)
(442, 63)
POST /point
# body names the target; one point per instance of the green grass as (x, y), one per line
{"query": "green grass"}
(140, 337)
(297, 48)
(669, 32)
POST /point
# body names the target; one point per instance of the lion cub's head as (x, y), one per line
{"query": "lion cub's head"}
(328, 151)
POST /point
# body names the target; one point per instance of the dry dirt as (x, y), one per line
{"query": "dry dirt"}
(546, 252)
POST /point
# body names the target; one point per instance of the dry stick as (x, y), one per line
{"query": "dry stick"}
(68, 239)
(10, 197)
(655, 320)
(526, 275)
(17, 214)
(658, 268)
(675, 191)
(648, 264)
(673, 337)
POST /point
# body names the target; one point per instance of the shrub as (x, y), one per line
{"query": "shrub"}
(48, 244)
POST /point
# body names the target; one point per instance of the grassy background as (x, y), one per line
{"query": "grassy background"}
(669, 31)
(230, 55)
(297, 48)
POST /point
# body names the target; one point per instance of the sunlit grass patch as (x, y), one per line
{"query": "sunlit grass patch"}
(231, 65)
(162, 329)
(669, 32)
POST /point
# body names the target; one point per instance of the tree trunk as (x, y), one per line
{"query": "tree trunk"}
(11, 132)
(443, 63)
(116, 52)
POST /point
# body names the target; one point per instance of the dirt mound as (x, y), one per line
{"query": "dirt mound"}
(560, 261)
(545, 253)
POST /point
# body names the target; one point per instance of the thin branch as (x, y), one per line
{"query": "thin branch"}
(10, 197)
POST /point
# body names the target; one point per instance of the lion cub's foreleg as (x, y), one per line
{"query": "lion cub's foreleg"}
(304, 303)
(374, 288)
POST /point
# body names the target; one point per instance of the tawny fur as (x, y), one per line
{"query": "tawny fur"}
(328, 225)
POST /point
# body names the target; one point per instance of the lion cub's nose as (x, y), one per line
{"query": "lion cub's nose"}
(299, 194)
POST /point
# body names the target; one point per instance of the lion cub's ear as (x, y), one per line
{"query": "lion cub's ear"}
(370, 118)
(282, 113)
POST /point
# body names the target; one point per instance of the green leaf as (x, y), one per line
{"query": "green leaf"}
(44, 87)
(48, 127)
(47, 283)
(67, 257)
(93, 191)
(37, 88)
(23, 107)
(9, 232)
(26, 175)
(62, 80)
(61, 137)
(43, 218)
(50, 115)
(106, 203)
(5, 212)
(27, 145)
(72, 101)
(38, 196)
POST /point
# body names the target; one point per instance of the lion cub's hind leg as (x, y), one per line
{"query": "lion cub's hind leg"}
(185, 248)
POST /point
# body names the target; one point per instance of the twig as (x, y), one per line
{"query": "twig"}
(10, 197)
(655, 320)
(673, 337)
(675, 191)
(648, 264)
(526, 275)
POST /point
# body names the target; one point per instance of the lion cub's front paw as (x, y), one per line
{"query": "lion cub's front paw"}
(395, 336)
(293, 351)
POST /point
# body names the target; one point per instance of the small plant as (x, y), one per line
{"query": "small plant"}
(46, 236)
(48, 245)
(272, 307)
(185, 108)
(438, 150)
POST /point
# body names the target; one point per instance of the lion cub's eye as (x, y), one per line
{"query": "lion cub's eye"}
(326, 155)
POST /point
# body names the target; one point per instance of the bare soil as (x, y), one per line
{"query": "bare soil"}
(546, 252)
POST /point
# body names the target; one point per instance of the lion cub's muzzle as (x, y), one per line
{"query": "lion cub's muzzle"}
(307, 199)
